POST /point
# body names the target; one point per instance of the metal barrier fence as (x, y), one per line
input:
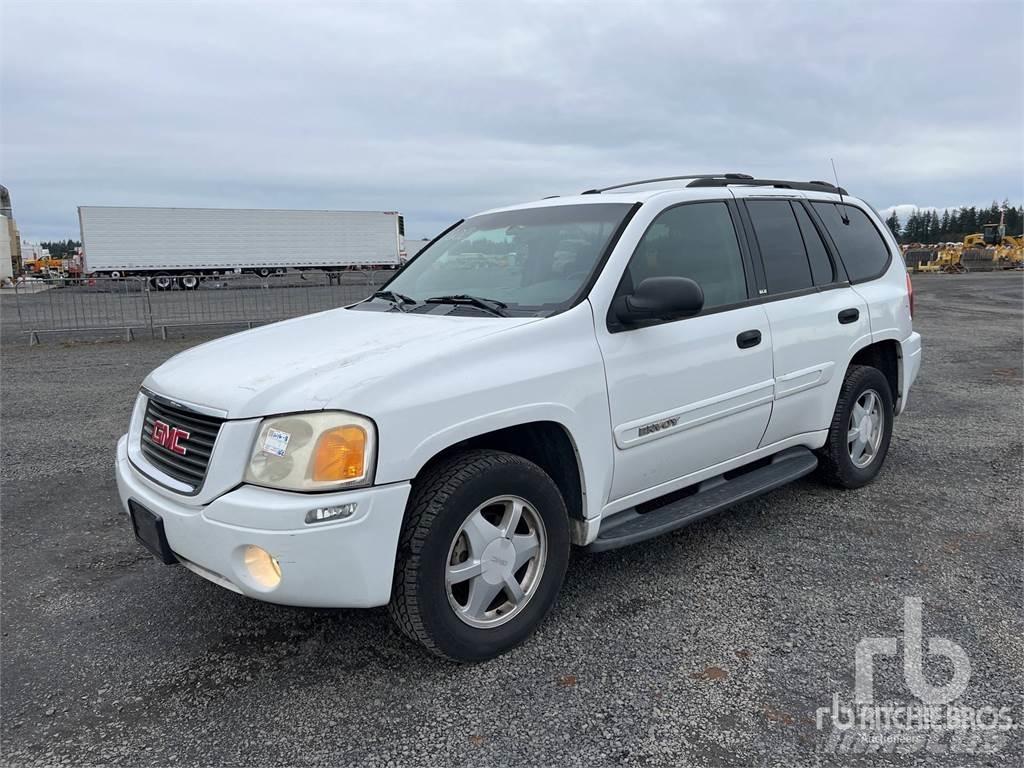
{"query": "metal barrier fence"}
(136, 304)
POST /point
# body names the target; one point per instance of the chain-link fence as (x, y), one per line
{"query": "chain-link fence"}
(139, 304)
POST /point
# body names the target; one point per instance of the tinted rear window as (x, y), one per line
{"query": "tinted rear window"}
(782, 247)
(821, 264)
(861, 247)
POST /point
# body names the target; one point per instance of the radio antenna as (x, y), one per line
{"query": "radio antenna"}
(842, 211)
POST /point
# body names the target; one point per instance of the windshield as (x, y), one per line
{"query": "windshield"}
(533, 261)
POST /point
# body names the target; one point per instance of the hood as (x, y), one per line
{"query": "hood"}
(317, 361)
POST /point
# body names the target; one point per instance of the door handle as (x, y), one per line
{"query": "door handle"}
(847, 316)
(748, 339)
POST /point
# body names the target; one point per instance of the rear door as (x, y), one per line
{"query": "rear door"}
(688, 393)
(816, 318)
(872, 264)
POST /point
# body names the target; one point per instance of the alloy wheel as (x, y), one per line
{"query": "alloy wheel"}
(864, 432)
(496, 561)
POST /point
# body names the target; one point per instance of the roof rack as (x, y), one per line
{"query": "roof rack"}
(807, 186)
(733, 176)
(728, 179)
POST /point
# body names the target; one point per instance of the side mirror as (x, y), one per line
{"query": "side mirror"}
(659, 298)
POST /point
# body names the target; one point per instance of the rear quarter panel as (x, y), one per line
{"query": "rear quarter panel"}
(887, 298)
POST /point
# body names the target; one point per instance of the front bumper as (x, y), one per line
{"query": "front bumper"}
(346, 564)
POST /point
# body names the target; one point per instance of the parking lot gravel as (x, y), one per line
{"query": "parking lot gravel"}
(715, 645)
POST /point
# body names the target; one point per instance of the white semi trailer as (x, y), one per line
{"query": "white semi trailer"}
(181, 245)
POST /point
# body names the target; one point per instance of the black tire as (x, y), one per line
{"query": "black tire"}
(835, 465)
(440, 503)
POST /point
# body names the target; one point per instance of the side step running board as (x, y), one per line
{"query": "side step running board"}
(713, 495)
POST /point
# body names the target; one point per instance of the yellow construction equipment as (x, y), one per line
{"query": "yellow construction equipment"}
(918, 256)
(45, 266)
(986, 251)
(992, 248)
(947, 259)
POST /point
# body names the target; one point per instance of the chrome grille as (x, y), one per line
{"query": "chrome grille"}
(188, 467)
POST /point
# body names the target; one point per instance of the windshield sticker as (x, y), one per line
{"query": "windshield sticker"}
(276, 442)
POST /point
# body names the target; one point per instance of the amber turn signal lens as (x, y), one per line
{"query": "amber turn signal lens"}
(339, 454)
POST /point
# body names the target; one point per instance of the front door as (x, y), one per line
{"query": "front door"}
(689, 393)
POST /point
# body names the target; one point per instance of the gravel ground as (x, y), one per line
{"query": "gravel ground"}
(712, 646)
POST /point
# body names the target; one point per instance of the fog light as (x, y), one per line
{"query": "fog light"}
(325, 514)
(262, 567)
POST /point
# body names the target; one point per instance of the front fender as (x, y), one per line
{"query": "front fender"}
(589, 453)
(513, 380)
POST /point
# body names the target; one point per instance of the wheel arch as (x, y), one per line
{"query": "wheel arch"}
(887, 356)
(547, 443)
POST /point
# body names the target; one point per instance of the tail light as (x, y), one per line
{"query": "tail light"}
(910, 295)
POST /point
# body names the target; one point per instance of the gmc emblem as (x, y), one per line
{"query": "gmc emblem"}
(169, 437)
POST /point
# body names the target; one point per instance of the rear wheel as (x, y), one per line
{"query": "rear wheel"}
(189, 282)
(162, 282)
(858, 439)
(482, 555)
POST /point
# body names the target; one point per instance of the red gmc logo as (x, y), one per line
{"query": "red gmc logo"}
(167, 436)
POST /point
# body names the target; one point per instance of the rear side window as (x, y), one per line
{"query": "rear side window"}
(821, 264)
(782, 246)
(860, 245)
(698, 241)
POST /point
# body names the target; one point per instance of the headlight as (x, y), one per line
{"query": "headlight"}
(313, 452)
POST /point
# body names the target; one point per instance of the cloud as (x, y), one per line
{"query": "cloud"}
(442, 109)
(903, 210)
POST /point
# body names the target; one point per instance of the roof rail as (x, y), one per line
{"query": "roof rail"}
(807, 186)
(737, 177)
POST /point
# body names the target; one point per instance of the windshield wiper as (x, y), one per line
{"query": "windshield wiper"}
(398, 300)
(493, 306)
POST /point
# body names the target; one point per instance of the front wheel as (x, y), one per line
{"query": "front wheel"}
(858, 439)
(482, 556)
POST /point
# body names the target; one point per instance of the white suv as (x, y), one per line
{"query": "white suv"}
(591, 370)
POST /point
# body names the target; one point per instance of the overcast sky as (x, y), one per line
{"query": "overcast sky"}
(439, 110)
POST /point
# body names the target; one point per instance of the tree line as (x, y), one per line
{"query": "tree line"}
(953, 224)
(61, 249)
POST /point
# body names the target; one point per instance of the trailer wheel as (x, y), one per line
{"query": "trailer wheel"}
(115, 275)
(189, 282)
(263, 272)
(162, 282)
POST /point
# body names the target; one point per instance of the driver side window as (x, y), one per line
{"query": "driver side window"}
(694, 240)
